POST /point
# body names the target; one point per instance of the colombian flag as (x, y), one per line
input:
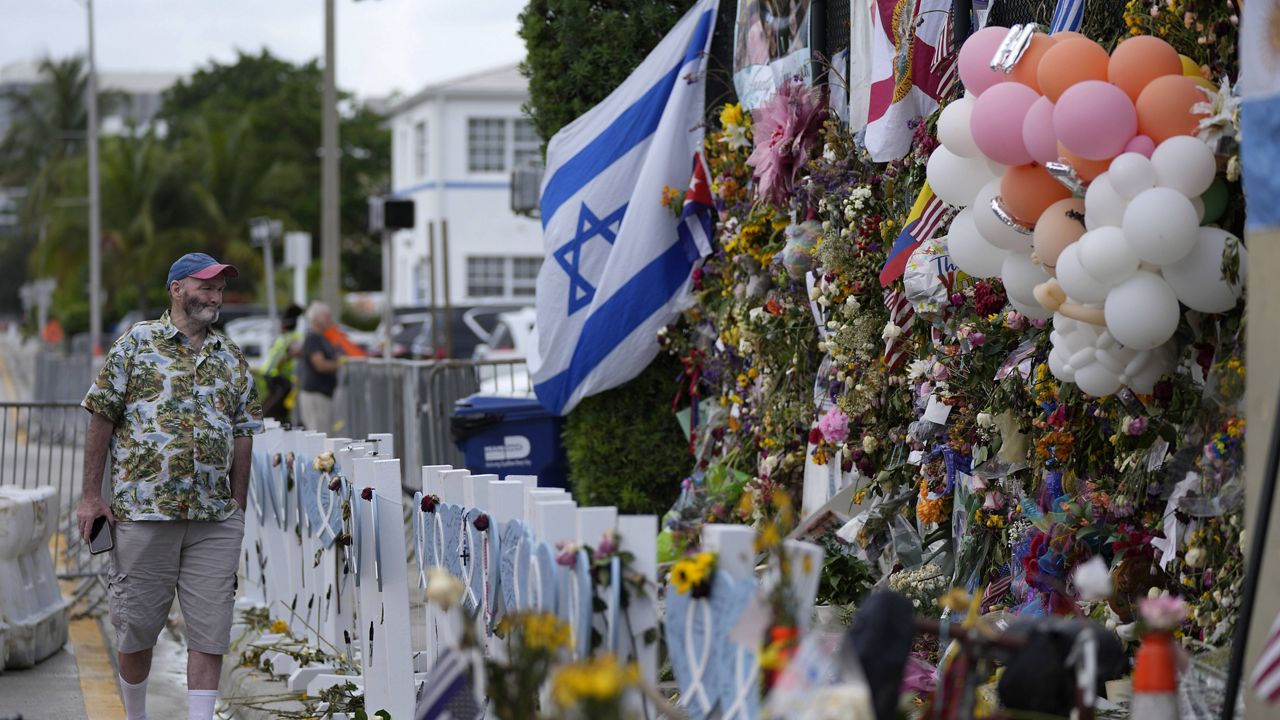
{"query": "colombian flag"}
(927, 214)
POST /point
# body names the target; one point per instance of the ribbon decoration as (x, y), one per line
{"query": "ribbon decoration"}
(692, 370)
(377, 540)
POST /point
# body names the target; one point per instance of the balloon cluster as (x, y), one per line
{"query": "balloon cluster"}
(1110, 267)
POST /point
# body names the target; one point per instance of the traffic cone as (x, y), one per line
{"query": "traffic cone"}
(1155, 679)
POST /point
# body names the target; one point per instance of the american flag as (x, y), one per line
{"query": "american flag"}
(944, 61)
(1266, 674)
(903, 315)
(449, 693)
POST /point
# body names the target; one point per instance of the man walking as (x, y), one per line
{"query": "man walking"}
(318, 371)
(176, 407)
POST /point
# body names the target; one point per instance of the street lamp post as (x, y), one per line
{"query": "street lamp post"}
(264, 231)
(329, 216)
(95, 202)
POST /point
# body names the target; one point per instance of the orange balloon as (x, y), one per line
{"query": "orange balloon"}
(1139, 60)
(1028, 190)
(1059, 226)
(1025, 71)
(1068, 62)
(1164, 107)
(1086, 169)
(1064, 34)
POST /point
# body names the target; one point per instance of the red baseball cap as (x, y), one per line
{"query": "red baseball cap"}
(201, 267)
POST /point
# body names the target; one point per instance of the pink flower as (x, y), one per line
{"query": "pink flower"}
(786, 129)
(608, 544)
(1136, 426)
(1163, 611)
(1015, 320)
(993, 501)
(567, 553)
(834, 425)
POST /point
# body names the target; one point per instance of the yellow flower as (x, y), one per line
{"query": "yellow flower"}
(279, 627)
(731, 115)
(690, 572)
(753, 373)
(544, 631)
(768, 537)
(600, 678)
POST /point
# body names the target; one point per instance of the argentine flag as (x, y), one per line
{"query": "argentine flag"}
(618, 263)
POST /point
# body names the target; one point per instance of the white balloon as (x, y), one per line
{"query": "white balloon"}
(1113, 358)
(969, 251)
(1197, 278)
(1106, 256)
(1155, 365)
(1102, 204)
(953, 128)
(1058, 367)
(1142, 312)
(956, 179)
(1021, 276)
(1197, 202)
(1083, 357)
(1075, 281)
(1160, 226)
(1130, 174)
(996, 169)
(1185, 164)
(991, 227)
(1032, 310)
(1097, 380)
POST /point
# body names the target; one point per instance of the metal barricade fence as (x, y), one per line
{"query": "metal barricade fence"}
(63, 378)
(414, 400)
(42, 443)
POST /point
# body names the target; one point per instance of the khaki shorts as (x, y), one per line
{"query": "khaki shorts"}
(152, 559)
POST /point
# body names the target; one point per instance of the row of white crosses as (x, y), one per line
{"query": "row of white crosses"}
(353, 599)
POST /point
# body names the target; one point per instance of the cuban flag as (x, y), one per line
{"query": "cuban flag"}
(618, 264)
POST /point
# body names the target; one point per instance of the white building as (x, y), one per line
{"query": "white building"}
(453, 146)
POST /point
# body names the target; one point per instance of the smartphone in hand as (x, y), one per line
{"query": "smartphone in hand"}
(100, 536)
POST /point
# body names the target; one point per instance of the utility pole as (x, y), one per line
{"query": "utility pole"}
(329, 217)
(95, 203)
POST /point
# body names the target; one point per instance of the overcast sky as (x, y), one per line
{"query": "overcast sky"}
(383, 45)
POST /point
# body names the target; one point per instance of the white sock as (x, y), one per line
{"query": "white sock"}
(200, 704)
(135, 699)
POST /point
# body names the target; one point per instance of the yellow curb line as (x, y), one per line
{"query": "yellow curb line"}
(97, 674)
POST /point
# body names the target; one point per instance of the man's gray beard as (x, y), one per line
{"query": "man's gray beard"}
(194, 308)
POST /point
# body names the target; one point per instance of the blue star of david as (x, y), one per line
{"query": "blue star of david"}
(569, 255)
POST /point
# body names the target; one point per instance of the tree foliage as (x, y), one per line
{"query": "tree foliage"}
(231, 142)
(580, 50)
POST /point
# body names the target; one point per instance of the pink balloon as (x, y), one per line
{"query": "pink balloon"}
(975, 59)
(1037, 132)
(1095, 120)
(996, 122)
(1142, 145)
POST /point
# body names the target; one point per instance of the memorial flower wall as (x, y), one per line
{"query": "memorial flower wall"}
(976, 460)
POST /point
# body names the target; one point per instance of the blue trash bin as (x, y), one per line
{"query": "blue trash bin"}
(510, 436)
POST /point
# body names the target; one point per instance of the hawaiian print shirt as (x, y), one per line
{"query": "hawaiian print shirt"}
(176, 413)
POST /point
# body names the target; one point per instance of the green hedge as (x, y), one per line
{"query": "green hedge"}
(625, 446)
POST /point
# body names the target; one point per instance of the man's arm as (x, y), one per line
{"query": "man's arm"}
(322, 364)
(92, 505)
(240, 471)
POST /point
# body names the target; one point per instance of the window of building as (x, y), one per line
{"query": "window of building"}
(527, 147)
(524, 275)
(486, 276)
(420, 149)
(486, 144)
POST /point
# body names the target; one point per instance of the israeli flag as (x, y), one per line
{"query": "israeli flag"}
(618, 263)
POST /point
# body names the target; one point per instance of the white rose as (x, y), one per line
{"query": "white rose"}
(890, 331)
(985, 420)
(1093, 580)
